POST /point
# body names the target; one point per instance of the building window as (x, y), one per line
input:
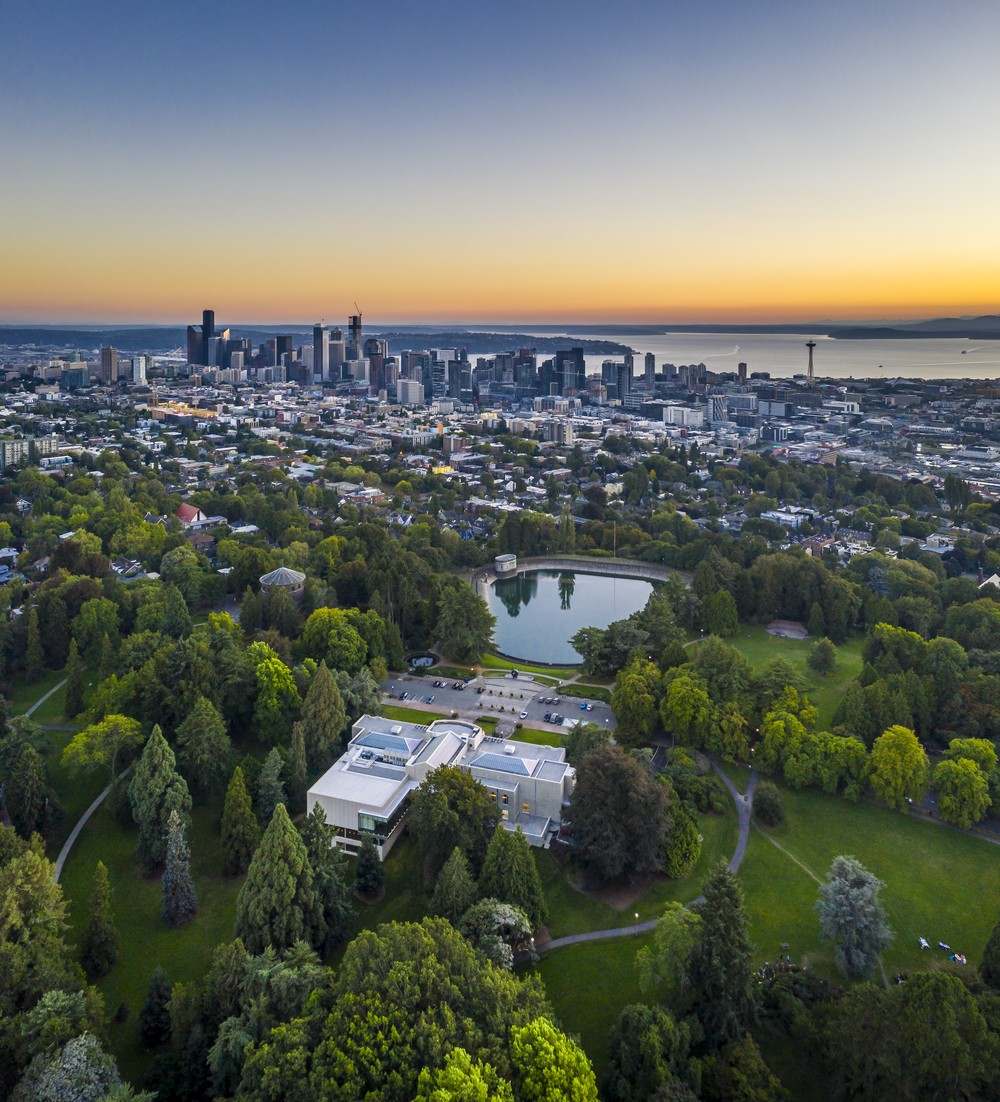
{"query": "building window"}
(526, 808)
(505, 798)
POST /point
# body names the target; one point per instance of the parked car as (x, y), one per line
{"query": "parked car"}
(524, 715)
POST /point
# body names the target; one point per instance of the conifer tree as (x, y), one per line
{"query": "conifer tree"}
(180, 903)
(155, 790)
(989, 967)
(721, 965)
(176, 620)
(298, 777)
(511, 875)
(331, 883)
(369, 873)
(270, 788)
(277, 905)
(106, 663)
(240, 829)
(99, 945)
(27, 791)
(251, 611)
(75, 682)
(203, 746)
(154, 1018)
(34, 655)
(323, 718)
(454, 890)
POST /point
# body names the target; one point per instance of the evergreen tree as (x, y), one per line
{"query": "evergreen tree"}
(180, 903)
(154, 1018)
(323, 719)
(816, 624)
(27, 791)
(176, 620)
(369, 873)
(75, 682)
(203, 746)
(851, 916)
(511, 875)
(989, 968)
(99, 945)
(155, 790)
(281, 613)
(298, 777)
(270, 789)
(721, 966)
(276, 905)
(454, 890)
(240, 829)
(106, 662)
(34, 655)
(251, 611)
(331, 883)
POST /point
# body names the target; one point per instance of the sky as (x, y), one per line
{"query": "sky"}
(504, 162)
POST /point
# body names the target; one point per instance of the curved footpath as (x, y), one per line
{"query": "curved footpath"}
(744, 808)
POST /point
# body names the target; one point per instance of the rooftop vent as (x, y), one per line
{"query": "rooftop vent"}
(509, 749)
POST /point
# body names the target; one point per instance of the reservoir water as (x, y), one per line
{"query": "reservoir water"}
(785, 354)
(538, 612)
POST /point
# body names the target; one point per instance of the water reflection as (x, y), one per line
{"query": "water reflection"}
(567, 583)
(517, 591)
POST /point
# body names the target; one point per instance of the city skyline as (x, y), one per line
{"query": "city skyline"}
(446, 164)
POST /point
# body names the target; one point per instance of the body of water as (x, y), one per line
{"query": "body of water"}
(785, 354)
(538, 612)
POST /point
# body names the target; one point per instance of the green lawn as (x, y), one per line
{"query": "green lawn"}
(941, 884)
(410, 715)
(539, 738)
(589, 985)
(495, 662)
(76, 791)
(146, 940)
(825, 692)
(590, 692)
(23, 693)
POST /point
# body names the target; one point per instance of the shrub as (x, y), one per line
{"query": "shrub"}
(768, 805)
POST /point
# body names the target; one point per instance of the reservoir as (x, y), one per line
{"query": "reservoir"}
(539, 611)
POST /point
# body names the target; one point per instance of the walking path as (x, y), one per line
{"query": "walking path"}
(744, 807)
(81, 823)
(41, 700)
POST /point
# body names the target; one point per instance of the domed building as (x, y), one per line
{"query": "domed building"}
(292, 581)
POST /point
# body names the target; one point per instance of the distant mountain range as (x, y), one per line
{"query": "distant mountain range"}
(546, 338)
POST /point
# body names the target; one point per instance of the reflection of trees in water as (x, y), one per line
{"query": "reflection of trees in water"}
(514, 592)
(567, 583)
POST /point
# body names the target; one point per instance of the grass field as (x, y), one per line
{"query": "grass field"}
(940, 883)
(23, 693)
(589, 692)
(146, 940)
(495, 662)
(825, 692)
(410, 715)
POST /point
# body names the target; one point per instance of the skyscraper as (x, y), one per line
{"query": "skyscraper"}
(109, 365)
(650, 370)
(321, 350)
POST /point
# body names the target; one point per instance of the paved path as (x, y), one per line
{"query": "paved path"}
(41, 700)
(81, 823)
(744, 807)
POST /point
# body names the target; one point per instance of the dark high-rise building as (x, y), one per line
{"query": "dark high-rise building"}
(109, 365)
(650, 370)
(321, 351)
(283, 346)
(203, 348)
(570, 371)
(354, 343)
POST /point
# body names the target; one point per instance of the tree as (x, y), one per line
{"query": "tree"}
(155, 790)
(154, 1018)
(899, 767)
(76, 673)
(277, 697)
(298, 776)
(851, 916)
(27, 791)
(618, 815)
(663, 964)
(330, 879)
(106, 744)
(276, 905)
(369, 873)
(454, 888)
(323, 718)
(822, 656)
(99, 944)
(463, 1080)
(240, 829)
(684, 846)
(548, 1066)
(80, 1070)
(464, 624)
(97, 617)
(634, 702)
(721, 965)
(719, 614)
(176, 620)
(34, 655)
(511, 875)
(963, 791)
(330, 636)
(686, 710)
(180, 903)
(452, 809)
(500, 930)
(203, 746)
(649, 1057)
(738, 1071)
(270, 787)
(768, 806)
(989, 967)
(582, 739)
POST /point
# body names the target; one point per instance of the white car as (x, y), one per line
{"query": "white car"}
(524, 715)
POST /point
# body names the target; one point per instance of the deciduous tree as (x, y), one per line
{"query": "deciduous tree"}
(452, 809)
(548, 1066)
(900, 770)
(963, 791)
(107, 744)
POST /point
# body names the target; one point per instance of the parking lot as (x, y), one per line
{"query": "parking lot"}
(518, 700)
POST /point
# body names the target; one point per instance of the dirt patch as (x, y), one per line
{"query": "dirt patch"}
(787, 629)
